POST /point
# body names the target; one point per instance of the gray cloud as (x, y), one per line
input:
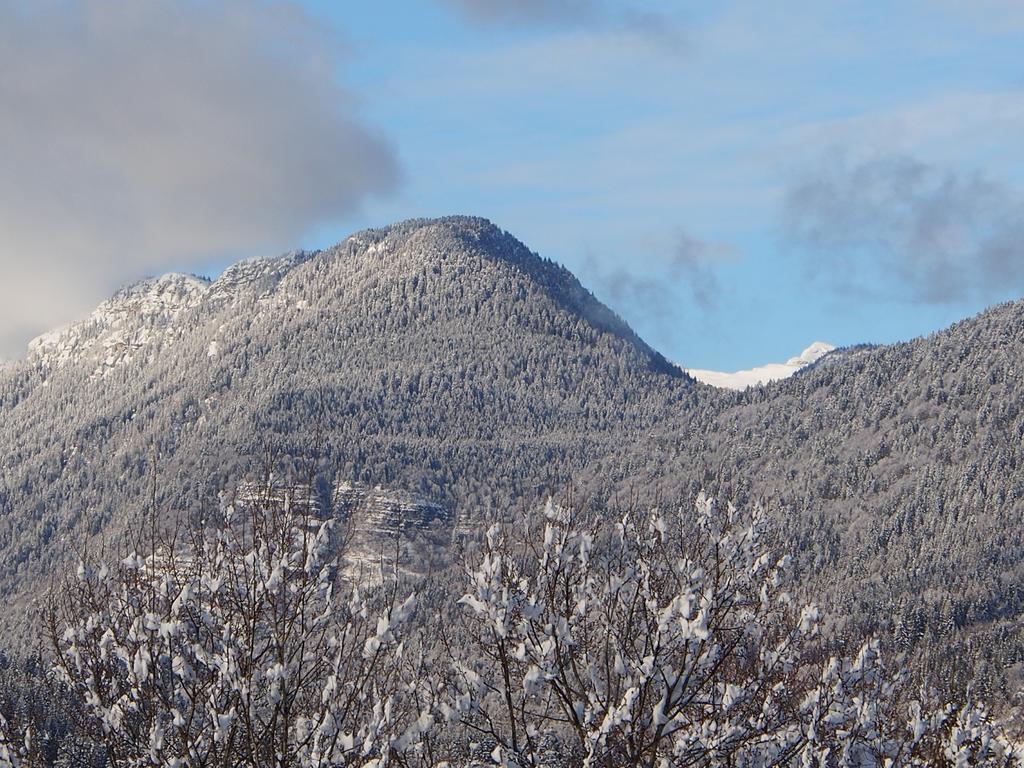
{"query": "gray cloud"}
(137, 136)
(652, 294)
(694, 262)
(652, 25)
(632, 294)
(918, 231)
(525, 11)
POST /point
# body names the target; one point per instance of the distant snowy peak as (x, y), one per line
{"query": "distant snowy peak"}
(812, 354)
(764, 373)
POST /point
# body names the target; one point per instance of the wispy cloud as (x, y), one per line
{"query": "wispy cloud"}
(651, 290)
(642, 21)
(694, 263)
(930, 234)
(630, 293)
(139, 135)
(524, 11)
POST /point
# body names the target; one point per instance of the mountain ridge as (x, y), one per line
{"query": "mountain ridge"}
(451, 372)
(456, 373)
(55, 347)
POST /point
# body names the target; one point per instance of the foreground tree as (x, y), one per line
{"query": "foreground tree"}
(651, 640)
(236, 647)
(672, 641)
(18, 746)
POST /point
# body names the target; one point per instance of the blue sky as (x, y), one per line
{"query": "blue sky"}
(600, 145)
(735, 179)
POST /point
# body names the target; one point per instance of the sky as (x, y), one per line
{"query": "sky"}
(735, 179)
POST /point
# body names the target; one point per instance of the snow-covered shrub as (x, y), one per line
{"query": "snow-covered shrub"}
(671, 640)
(237, 646)
(13, 745)
(650, 639)
(31, 715)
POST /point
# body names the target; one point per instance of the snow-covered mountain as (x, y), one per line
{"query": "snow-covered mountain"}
(446, 363)
(134, 318)
(763, 373)
(430, 356)
(142, 318)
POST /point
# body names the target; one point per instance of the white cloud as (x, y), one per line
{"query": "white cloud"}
(137, 136)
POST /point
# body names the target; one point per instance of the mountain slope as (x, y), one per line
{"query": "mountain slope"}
(135, 317)
(436, 357)
(443, 361)
(894, 474)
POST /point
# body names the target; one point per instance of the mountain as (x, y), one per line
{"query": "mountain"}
(435, 373)
(763, 374)
(894, 475)
(138, 316)
(440, 358)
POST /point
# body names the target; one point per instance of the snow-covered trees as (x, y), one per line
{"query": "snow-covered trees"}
(18, 747)
(442, 358)
(670, 640)
(236, 647)
(650, 639)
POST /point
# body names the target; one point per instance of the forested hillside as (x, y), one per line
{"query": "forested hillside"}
(894, 473)
(436, 357)
(442, 358)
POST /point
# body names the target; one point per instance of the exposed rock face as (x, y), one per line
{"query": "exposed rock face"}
(139, 316)
(389, 529)
(376, 530)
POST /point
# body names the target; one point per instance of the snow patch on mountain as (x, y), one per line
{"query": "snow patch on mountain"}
(765, 373)
(258, 275)
(136, 317)
(147, 314)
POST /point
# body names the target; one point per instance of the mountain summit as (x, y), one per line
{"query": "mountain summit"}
(433, 374)
(461, 248)
(436, 357)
